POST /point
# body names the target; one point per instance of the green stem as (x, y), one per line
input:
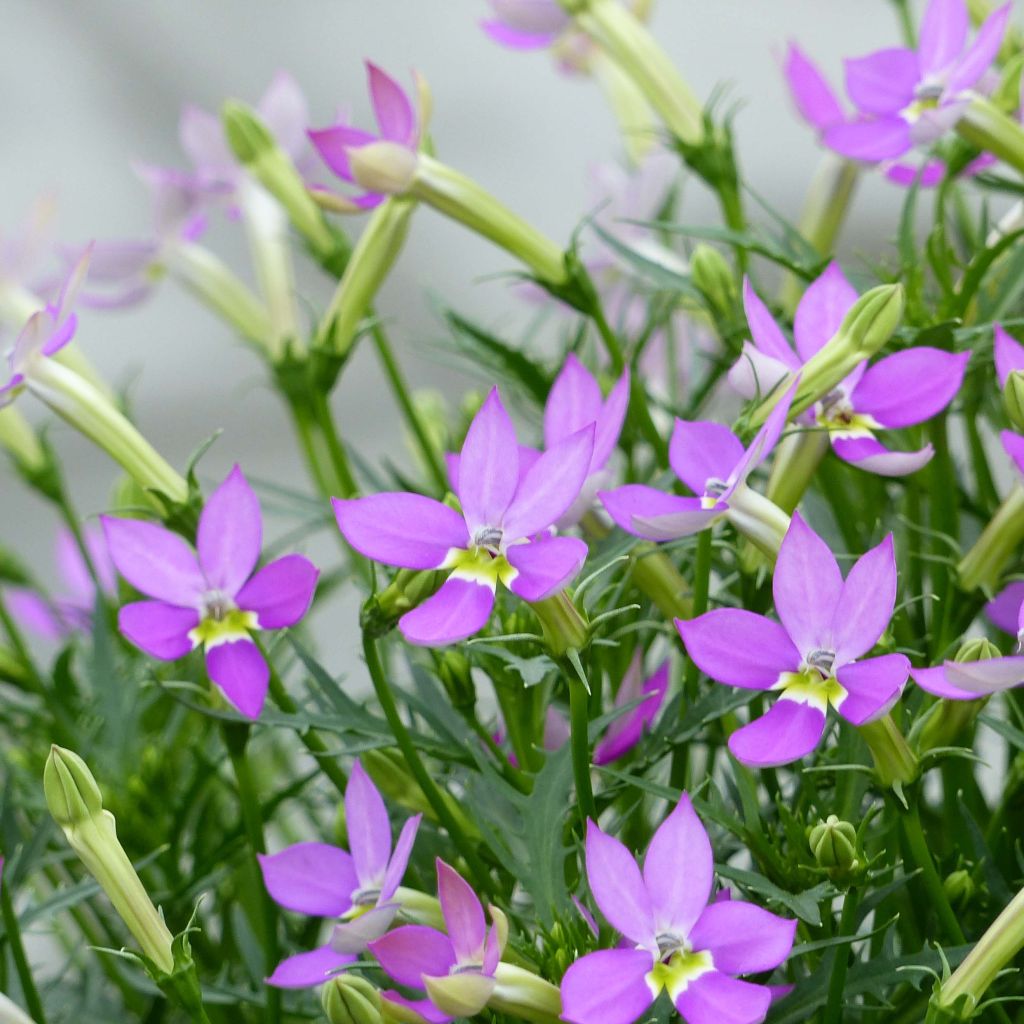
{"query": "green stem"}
(415, 764)
(579, 729)
(335, 449)
(837, 980)
(28, 987)
(918, 845)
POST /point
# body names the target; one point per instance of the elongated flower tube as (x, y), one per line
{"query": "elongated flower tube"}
(812, 659)
(713, 463)
(674, 939)
(211, 597)
(898, 391)
(21, 442)
(500, 535)
(357, 887)
(456, 971)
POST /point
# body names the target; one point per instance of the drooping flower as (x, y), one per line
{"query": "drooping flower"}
(810, 658)
(898, 391)
(211, 597)
(456, 971)
(677, 940)
(902, 97)
(399, 134)
(713, 463)
(70, 612)
(499, 536)
(325, 881)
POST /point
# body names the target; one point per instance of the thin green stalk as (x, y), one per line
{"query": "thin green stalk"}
(415, 764)
(579, 737)
(837, 980)
(918, 845)
(236, 739)
(335, 449)
(28, 986)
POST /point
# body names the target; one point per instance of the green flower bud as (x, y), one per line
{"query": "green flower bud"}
(387, 167)
(453, 669)
(978, 649)
(834, 845)
(959, 887)
(351, 999)
(459, 995)
(525, 996)
(713, 276)
(1013, 399)
(563, 624)
(982, 566)
(72, 794)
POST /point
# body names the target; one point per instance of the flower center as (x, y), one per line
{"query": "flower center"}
(814, 684)
(221, 621)
(675, 972)
(837, 415)
(488, 537)
(713, 491)
(481, 565)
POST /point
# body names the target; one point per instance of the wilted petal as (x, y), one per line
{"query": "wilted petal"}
(458, 610)
(1005, 608)
(280, 593)
(531, 15)
(910, 386)
(400, 858)
(369, 828)
(655, 515)
(310, 878)
(807, 585)
(306, 970)
(764, 331)
(813, 95)
(463, 915)
(409, 952)
(882, 82)
(715, 998)
(154, 561)
(230, 534)
(574, 401)
(981, 53)
(821, 310)
(462, 994)
(942, 35)
(607, 987)
(754, 374)
(1008, 352)
(398, 528)
(866, 603)
(743, 938)
(870, 141)
(545, 566)
(935, 682)
(873, 457)
(514, 39)
(395, 115)
(488, 465)
(989, 676)
(160, 629)
(872, 686)
(356, 935)
(241, 672)
(618, 887)
(739, 648)
(679, 869)
(702, 450)
(785, 733)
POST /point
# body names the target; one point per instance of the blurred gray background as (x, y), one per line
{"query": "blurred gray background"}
(88, 87)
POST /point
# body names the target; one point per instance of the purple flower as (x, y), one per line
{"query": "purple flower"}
(499, 536)
(712, 462)
(71, 612)
(456, 969)
(526, 24)
(1006, 609)
(325, 881)
(677, 940)
(900, 390)
(45, 332)
(810, 660)
(211, 597)
(902, 98)
(398, 125)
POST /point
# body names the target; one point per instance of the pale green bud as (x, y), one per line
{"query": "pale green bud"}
(713, 276)
(1013, 399)
(525, 996)
(387, 167)
(959, 887)
(459, 995)
(977, 649)
(984, 125)
(351, 999)
(564, 626)
(834, 845)
(72, 794)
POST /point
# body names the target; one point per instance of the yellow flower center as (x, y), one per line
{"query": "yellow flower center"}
(842, 423)
(676, 973)
(480, 565)
(811, 687)
(233, 625)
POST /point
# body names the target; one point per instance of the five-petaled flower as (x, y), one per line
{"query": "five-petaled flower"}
(358, 887)
(675, 940)
(455, 970)
(494, 538)
(900, 390)
(810, 660)
(214, 600)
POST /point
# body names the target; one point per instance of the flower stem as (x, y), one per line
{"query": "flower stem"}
(579, 737)
(918, 846)
(28, 987)
(837, 980)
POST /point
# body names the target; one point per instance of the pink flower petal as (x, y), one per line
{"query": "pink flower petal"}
(655, 515)
(866, 603)
(395, 115)
(230, 534)
(310, 878)
(743, 938)
(618, 886)
(873, 457)
(784, 733)
(1005, 608)
(911, 386)
(240, 671)
(545, 566)
(870, 141)
(715, 998)
(463, 915)
(981, 53)
(369, 828)
(813, 95)
(702, 450)
(942, 35)
(882, 82)
(765, 332)
(409, 952)
(872, 686)
(488, 465)
(607, 987)
(458, 610)
(306, 970)
(280, 593)
(159, 629)
(1008, 352)
(154, 561)
(821, 310)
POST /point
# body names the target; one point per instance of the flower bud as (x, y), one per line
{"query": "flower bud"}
(655, 575)
(387, 167)
(761, 521)
(1013, 399)
(351, 999)
(20, 440)
(459, 995)
(714, 278)
(959, 887)
(977, 649)
(834, 845)
(525, 996)
(563, 624)
(982, 566)
(454, 671)
(410, 587)
(72, 794)
(984, 125)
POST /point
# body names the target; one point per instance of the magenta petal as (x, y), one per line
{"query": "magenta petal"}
(739, 648)
(409, 952)
(458, 610)
(743, 938)
(159, 629)
(306, 970)
(765, 332)
(625, 732)
(813, 95)
(230, 534)
(1005, 608)
(981, 53)
(872, 686)
(755, 375)
(550, 486)
(310, 878)
(764, 441)
(514, 39)
(574, 401)
(702, 450)
(942, 35)
(910, 386)
(934, 681)
(786, 732)
(678, 870)
(280, 593)
(1008, 352)
(873, 457)
(400, 857)
(463, 915)
(882, 82)
(866, 603)
(334, 143)
(420, 1007)
(355, 935)
(35, 613)
(488, 465)
(545, 566)
(609, 422)
(154, 561)
(1013, 444)
(870, 141)
(607, 987)
(369, 828)
(807, 585)
(821, 310)
(655, 515)
(531, 15)
(395, 115)
(984, 677)
(715, 998)
(398, 528)
(618, 886)
(241, 672)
